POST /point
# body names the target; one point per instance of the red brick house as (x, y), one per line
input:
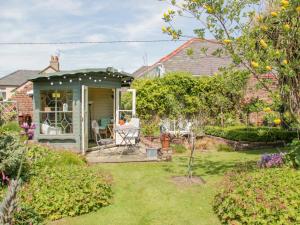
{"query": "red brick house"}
(16, 87)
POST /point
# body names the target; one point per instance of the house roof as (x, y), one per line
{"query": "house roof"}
(140, 70)
(108, 70)
(199, 63)
(18, 77)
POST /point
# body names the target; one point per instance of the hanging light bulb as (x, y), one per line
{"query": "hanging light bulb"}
(71, 81)
(64, 77)
(51, 83)
(79, 79)
(104, 77)
(48, 78)
(100, 80)
(95, 81)
(84, 74)
(90, 78)
(60, 83)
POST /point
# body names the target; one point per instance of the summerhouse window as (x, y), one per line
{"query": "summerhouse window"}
(56, 115)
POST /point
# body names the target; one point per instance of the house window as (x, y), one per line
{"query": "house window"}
(56, 115)
(2, 94)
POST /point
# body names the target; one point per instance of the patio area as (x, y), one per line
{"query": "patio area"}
(118, 154)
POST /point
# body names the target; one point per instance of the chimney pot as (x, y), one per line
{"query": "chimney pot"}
(54, 62)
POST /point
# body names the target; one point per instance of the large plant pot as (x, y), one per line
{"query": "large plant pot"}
(165, 141)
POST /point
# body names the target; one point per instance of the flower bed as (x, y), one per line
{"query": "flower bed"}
(262, 196)
(58, 184)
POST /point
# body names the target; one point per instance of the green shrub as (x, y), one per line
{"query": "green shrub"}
(27, 215)
(265, 196)
(178, 148)
(12, 126)
(150, 128)
(224, 148)
(60, 184)
(11, 153)
(252, 134)
(293, 156)
(66, 191)
(40, 156)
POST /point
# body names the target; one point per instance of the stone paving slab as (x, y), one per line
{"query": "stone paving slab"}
(118, 155)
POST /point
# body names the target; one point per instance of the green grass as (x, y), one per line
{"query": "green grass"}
(145, 195)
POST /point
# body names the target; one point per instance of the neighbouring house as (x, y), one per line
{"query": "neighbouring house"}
(16, 87)
(67, 103)
(195, 56)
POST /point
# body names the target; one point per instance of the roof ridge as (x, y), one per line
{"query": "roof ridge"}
(12, 73)
(179, 49)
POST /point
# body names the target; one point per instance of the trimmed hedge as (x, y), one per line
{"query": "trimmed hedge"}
(265, 196)
(252, 134)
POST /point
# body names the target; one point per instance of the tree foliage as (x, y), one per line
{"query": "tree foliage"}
(261, 38)
(180, 94)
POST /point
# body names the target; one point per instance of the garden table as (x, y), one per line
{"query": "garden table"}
(128, 134)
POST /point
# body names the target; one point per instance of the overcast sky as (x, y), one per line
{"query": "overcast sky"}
(83, 20)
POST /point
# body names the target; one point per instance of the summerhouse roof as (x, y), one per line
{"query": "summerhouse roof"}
(89, 71)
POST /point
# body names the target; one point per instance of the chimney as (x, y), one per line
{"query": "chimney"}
(54, 63)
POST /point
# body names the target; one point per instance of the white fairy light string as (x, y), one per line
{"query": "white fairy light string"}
(122, 78)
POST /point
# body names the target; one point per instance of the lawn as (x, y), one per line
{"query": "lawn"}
(145, 195)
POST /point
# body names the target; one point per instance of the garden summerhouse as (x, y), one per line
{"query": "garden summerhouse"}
(65, 104)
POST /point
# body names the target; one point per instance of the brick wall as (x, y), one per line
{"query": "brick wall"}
(25, 104)
(253, 91)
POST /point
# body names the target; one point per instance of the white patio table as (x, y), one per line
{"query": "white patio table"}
(129, 134)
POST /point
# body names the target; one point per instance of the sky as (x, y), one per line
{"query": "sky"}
(84, 20)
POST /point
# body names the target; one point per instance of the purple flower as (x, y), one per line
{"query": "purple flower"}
(271, 160)
(28, 130)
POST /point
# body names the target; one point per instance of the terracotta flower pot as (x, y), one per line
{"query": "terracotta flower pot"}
(165, 141)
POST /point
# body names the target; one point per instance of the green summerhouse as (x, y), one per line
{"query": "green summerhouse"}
(65, 104)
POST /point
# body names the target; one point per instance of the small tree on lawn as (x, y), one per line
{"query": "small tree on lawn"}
(263, 38)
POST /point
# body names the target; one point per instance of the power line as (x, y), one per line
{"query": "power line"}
(89, 42)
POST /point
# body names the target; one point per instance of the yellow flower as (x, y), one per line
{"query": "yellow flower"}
(263, 43)
(284, 3)
(268, 68)
(274, 14)
(285, 62)
(277, 53)
(267, 109)
(164, 29)
(227, 41)
(264, 27)
(208, 8)
(298, 9)
(254, 64)
(286, 27)
(277, 121)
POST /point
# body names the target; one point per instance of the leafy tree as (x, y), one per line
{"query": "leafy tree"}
(261, 41)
